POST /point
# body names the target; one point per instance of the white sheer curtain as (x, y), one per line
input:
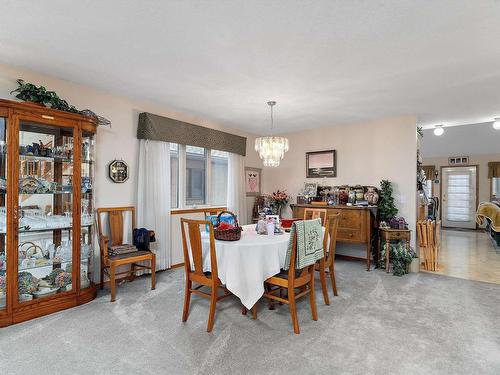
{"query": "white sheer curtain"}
(236, 201)
(153, 197)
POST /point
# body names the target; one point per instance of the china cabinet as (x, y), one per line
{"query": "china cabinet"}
(46, 210)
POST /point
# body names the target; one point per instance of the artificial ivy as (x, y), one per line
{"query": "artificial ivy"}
(400, 257)
(39, 94)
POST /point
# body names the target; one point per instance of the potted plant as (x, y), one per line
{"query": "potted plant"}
(400, 257)
(386, 207)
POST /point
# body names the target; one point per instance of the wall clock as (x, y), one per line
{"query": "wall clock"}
(118, 171)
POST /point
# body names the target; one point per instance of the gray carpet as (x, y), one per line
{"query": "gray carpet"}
(379, 324)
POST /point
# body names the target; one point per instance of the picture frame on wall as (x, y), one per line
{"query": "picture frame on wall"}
(321, 164)
(310, 189)
(253, 181)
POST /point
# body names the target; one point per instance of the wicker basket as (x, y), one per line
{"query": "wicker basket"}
(233, 234)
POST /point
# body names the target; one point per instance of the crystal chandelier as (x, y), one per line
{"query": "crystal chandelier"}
(271, 149)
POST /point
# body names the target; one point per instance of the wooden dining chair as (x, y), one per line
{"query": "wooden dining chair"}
(109, 263)
(325, 266)
(303, 280)
(315, 213)
(193, 266)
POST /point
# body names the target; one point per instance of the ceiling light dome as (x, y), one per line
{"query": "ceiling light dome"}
(438, 130)
(496, 123)
(271, 149)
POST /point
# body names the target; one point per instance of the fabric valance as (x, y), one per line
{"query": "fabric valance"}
(159, 128)
(429, 171)
(493, 169)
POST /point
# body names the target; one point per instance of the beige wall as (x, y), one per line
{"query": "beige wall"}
(120, 140)
(480, 160)
(366, 153)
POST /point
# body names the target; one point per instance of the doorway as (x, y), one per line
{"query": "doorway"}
(459, 197)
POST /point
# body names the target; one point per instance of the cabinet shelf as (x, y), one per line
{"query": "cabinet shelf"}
(55, 159)
(49, 193)
(49, 264)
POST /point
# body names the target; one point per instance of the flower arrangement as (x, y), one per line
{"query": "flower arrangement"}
(26, 283)
(53, 275)
(278, 200)
(398, 223)
(63, 279)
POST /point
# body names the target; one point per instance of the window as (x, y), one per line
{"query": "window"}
(196, 168)
(218, 181)
(174, 175)
(495, 187)
(428, 188)
(198, 176)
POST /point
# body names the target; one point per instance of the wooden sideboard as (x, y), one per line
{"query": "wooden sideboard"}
(355, 226)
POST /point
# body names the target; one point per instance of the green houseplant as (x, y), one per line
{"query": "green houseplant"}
(29, 92)
(386, 207)
(39, 94)
(400, 257)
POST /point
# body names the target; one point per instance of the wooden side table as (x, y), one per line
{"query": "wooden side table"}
(387, 235)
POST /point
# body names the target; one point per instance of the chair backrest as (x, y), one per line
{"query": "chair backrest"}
(116, 226)
(332, 224)
(192, 245)
(315, 213)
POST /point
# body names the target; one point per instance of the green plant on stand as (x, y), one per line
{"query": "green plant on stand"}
(400, 257)
(386, 207)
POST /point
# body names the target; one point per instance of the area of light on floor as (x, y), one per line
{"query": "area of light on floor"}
(469, 255)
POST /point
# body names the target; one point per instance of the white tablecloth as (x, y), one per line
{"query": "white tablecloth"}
(244, 265)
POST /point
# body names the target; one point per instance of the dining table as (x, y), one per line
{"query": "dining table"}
(244, 265)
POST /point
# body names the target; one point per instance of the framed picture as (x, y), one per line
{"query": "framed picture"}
(321, 164)
(310, 189)
(252, 181)
(458, 160)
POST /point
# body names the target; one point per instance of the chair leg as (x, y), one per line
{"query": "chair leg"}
(153, 272)
(211, 314)
(254, 311)
(102, 276)
(112, 282)
(312, 297)
(293, 309)
(132, 272)
(270, 301)
(187, 299)
(324, 288)
(332, 278)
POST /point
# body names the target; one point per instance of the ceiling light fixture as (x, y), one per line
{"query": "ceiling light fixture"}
(271, 149)
(438, 130)
(496, 123)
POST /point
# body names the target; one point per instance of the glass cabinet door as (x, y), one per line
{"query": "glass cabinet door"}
(45, 210)
(87, 204)
(3, 216)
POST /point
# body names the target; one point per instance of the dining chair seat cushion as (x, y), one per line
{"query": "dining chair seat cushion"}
(309, 243)
(129, 255)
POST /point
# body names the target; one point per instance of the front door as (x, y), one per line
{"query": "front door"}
(459, 198)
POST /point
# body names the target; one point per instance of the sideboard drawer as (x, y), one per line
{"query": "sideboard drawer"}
(350, 219)
(344, 234)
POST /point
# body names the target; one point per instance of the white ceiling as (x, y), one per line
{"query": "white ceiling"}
(473, 139)
(325, 62)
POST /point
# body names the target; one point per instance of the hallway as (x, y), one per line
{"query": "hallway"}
(469, 255)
